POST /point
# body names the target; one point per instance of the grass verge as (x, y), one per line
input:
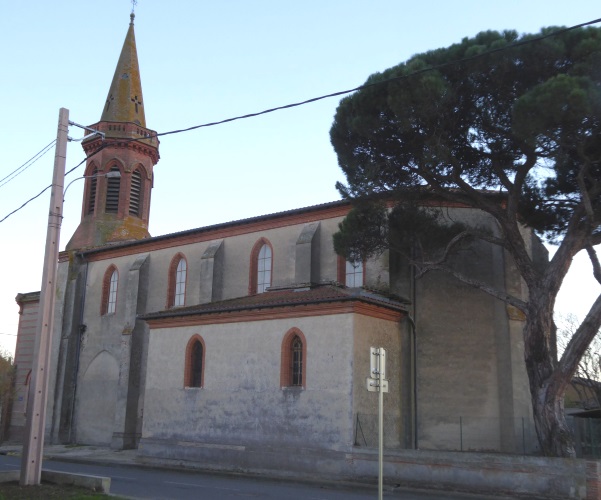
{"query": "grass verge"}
(14, 491)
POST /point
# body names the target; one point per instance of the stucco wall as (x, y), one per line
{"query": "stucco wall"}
(469, 355)
(377, 333)
(24, 362)
(104, 354)
(104, 333)
(235, 268)
(470, 377)
(241, 400)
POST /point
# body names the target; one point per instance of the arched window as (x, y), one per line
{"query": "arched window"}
(354, 274)
(261, 266)
(195, 357)
(264, 269)
(294, 359)
(110, 284)
(113, 187)
(135, 194)
(178, 270)
(93, 184)
(350, 273)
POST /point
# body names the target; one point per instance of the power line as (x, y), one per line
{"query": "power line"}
(382, 82)
(368, 85)
(333, 94)
(26, 165)
(49, 186)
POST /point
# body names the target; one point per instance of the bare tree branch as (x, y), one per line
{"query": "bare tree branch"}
(509, 299)
(592, 255)
(586, 200)
(568, 364)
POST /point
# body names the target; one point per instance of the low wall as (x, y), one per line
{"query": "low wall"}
(550, 478)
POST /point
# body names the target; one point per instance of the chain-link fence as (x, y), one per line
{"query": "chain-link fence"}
(462, 433)
(587, 436)
(481, 434)
(366, 430)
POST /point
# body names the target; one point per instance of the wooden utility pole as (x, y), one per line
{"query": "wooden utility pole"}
(31, 462)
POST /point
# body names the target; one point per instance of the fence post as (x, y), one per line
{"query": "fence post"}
(596, 423)
(577, 435)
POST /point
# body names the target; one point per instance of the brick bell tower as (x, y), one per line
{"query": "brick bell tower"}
(116, 208)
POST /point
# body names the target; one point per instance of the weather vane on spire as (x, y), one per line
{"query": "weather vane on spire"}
(133, 7)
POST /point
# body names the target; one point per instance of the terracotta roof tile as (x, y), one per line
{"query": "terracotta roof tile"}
(285, 298)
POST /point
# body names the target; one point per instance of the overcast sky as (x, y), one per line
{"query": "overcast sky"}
(204, 61)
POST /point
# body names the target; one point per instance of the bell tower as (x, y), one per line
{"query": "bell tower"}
(119, 169)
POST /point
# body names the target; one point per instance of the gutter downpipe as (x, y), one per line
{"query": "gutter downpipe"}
(414, 384)
(414, 348)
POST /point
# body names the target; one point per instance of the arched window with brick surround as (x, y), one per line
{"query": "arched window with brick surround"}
(351, 274)
(293, 371)
(261, 266)
(195, 362)
(178, 272)
(110, 284)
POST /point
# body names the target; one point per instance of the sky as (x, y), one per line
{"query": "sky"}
(203, 61)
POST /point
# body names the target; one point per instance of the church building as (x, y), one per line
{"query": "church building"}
(246, 345)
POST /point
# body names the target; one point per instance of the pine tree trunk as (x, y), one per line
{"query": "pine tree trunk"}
(547, 386)
(554, 436)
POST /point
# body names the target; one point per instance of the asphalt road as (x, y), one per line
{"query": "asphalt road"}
(155, 484)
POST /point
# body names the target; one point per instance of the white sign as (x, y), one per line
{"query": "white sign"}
(373, 385)
(377, 362)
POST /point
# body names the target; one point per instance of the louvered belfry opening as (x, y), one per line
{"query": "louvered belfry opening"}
(135, 195)
(112, 193)
(92, 196)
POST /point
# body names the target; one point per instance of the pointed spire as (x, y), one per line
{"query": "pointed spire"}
(124, 102)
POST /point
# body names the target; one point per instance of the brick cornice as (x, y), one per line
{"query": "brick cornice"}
(220, 231)
(267, 314)
(235, 228)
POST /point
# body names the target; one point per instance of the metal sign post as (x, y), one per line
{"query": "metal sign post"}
(377, 382)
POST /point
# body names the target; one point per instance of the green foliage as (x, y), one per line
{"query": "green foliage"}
(481, 123)
(7, 368)
(507, 124)
(370, 228)
(421, 232)
(363, 232)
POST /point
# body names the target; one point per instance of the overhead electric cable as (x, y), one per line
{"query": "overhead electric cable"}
(29, 200)
(333, 94)
(49, 186)
(383, 82)
(26, 165)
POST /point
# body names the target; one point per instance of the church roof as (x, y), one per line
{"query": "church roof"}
(286, 297)
(304, 214)
(124, 101)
